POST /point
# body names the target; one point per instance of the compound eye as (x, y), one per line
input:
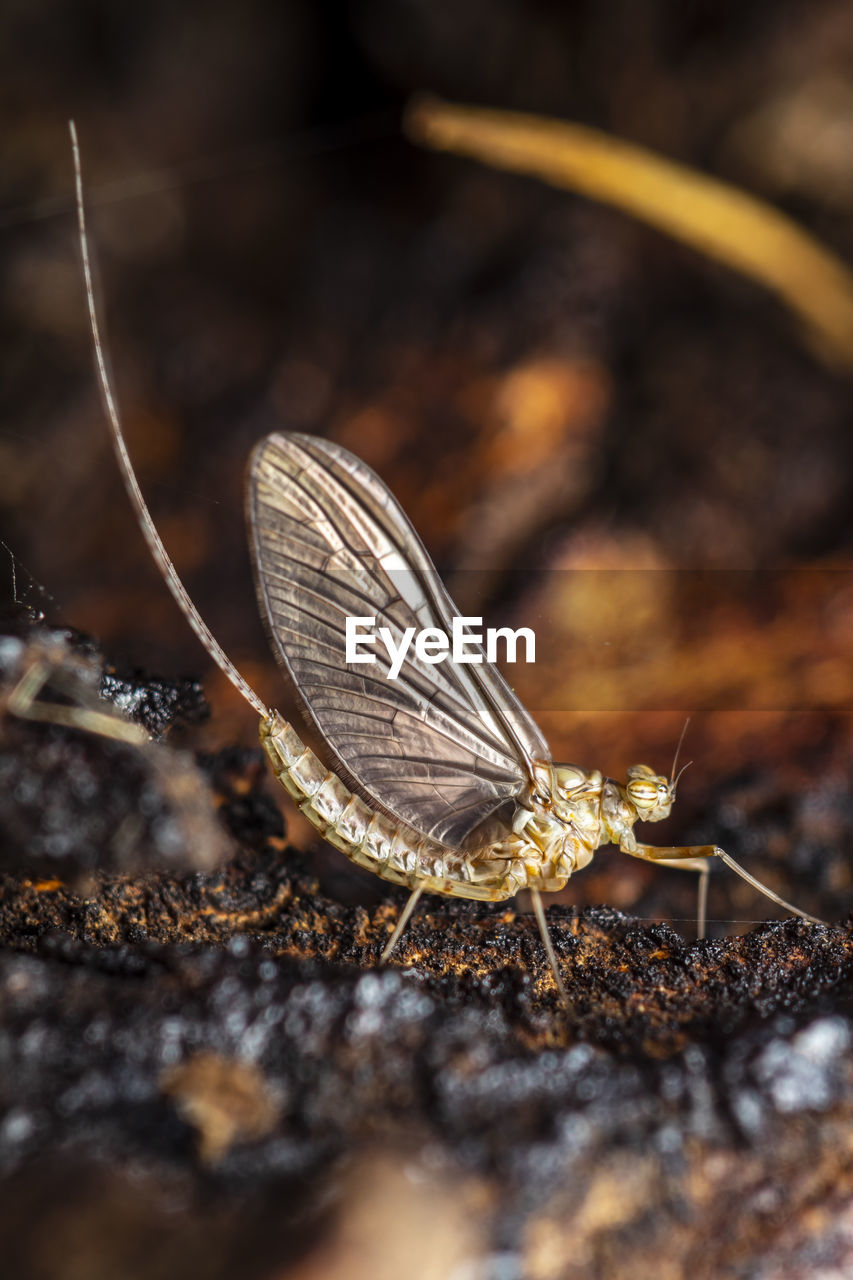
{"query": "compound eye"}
(642, 772)
(642, 793)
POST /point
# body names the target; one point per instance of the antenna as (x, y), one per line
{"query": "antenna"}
(155, 544)
(673, 778)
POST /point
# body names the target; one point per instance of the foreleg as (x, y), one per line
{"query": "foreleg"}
(694, 858)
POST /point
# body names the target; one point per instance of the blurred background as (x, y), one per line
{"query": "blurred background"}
(548, 386)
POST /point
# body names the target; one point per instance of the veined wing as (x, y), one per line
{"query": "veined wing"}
(440, 747)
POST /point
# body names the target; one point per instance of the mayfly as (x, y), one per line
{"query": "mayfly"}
(442, 780)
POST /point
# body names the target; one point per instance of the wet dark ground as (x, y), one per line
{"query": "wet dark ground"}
(208, 1071)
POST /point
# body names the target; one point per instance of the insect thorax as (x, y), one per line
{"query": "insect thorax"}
(540, 845)
(573, 811)
(562, 822)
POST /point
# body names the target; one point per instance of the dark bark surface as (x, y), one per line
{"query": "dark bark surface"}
(209, 1072)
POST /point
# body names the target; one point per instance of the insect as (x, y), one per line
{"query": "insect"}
(442, 780)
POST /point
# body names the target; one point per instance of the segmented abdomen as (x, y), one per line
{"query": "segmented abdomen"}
(374, 841)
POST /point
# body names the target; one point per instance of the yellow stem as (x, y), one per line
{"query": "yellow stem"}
(725, 223)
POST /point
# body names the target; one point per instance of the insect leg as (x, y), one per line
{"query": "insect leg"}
(689, 858)
(539, 912)
(702, 867)
(405, 916)
(702, 901)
